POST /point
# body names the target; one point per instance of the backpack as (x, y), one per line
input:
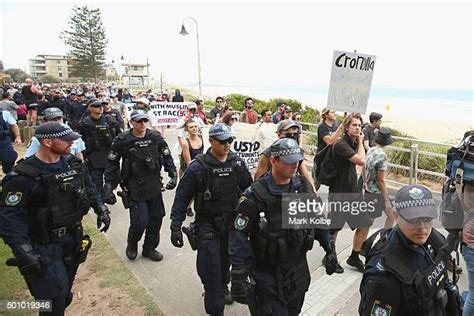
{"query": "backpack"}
(324, 160)
(460, 156)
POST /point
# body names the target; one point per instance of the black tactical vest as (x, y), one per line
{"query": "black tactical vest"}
(59, 207)
(284, 249)
(221, 190)
(99, 137)
(428, 285)
(141, 166)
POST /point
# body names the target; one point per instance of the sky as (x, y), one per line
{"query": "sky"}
(418, 46)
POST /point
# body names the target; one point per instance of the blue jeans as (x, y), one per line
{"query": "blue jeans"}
(468, 254)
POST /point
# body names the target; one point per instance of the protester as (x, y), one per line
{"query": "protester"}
(217, 110)
(328, 133)
(278, 115)
(248, 115)
(121, 107)
(177, 96)
(8, 105)
(31, 94)
(347, 153)
(370, 129)
(200, 111)
(375, 169)
(287, 113)
(266, 134)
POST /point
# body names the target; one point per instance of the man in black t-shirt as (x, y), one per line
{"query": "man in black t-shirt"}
(328, 133)
(349, 152)
(216, 111)
(370, 129)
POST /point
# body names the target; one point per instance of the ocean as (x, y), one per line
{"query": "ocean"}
(453, 106)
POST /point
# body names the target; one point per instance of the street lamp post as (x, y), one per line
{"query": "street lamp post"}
(184, 32)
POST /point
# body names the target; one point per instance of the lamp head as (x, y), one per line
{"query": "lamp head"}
(183, 31)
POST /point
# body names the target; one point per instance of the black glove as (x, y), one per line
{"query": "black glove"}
(109, 196)
(240, 286)
(173, 180)
(103, 218)
(330, 260)
(176, 236)
(28, 262)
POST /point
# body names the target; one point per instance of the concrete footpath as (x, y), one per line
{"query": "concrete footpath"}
(177, 289)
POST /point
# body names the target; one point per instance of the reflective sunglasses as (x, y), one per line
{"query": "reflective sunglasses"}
(418, 221)
(229, 140)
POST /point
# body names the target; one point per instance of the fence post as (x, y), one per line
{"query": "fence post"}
(415, 169)
(412, 163)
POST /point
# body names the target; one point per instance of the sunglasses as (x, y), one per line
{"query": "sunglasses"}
(219, 101)
(142, 121)
(298, 118)
(291, 135)
(229, 140)
(418, 221)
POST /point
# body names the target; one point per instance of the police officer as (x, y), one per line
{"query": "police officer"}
(406, 269)
(43, 201)
(260, 248)
(215, 180)
(8, 131)
(76, 109)
(56, 115)
(143, 153)
(98, 132)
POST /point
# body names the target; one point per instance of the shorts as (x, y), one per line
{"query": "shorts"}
(354, 217)
(32, 106)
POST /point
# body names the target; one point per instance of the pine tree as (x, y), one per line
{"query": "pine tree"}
(87, 41)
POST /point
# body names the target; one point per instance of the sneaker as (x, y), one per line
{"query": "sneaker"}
(153, 255)
(339, 268)
(131, 251)
(458, 269)
(356, 263)
(227, 296)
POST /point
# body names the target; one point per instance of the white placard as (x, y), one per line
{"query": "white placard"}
(351, 78)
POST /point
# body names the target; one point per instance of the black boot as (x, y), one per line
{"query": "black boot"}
(152, 255)
(131, 251)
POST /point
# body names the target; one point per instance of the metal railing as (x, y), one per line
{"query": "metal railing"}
(414, 151)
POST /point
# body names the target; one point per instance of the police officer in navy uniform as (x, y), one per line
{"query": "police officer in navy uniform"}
(8, 131)
(261, 250)
(406, 270)
(215, 180)
(98, 132)
(43, 201)
(143, 152)
(75, 109)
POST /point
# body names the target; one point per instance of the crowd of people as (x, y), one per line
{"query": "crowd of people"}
(238, 228)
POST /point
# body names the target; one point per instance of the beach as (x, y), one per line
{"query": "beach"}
(437, 116)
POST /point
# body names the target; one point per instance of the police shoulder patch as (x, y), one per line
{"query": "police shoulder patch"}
(13, 198)
(166, 151)
(241, 222)
(380, 309)
(112, 155)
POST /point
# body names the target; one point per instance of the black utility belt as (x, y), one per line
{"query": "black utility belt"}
(58, 233)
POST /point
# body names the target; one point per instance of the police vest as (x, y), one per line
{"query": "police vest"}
(283, 249)
(221, 190)
(141, 166)
(64, 189)
(99, 136)
(4, 128)
(427, 285)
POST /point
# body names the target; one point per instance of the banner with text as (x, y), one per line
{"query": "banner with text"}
(164, 113)
(246, 144)
(351, 78)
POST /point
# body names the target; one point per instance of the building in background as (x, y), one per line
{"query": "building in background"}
(136, 75)
(57, 66)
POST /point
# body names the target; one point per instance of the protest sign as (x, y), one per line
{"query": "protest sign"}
(351, 78)
(163, 113)
(246, 144)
